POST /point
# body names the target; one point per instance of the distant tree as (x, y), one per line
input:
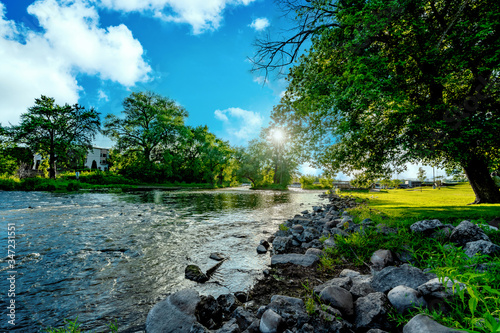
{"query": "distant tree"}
(421, 177)
(53, 130)
(395, 183)
(148, 120)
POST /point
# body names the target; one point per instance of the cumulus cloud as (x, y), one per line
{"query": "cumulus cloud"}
(260, 24)
(240, 125)
(71, 42)
(202, 15)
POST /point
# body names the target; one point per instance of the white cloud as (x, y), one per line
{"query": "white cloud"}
(71, 42)
(260, 24)
(240, 125)
(202, 15)
(102, 95)
(261, 80)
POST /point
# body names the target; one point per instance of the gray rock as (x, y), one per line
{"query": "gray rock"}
(230, 326)
(375, 330)
(440, 288)
(338, 298)
(405, 275)
(242, 296)
(208, 312)
(291, 309)
(481, 247)
(299, 219)
(176, 313)
(423, 324)
(304, 212)
(315, 243)
(314, 252)
(426, 227)
(308, 235)
(261, 249)
(243, 317)
(271, 322)
(228, 304)
(337, 231)
(405, 298)
(329, 242)
(381, 259)
(371, 312)
(317, 209)
(367, 221)
(297, 229)
(342, 282)
(217, 256)
(198, 328)
(282, 244)
(264, 243)
(194, 273)
(294, 258)
(254, 327)
(467, 232)
(361, 286)
(349, 273)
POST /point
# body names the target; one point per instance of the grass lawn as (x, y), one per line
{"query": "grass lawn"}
(447, 204)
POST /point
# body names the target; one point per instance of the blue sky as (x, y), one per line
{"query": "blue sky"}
(96, 52)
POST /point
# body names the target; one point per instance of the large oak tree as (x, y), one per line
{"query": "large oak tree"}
(385, 83)
(56, 131)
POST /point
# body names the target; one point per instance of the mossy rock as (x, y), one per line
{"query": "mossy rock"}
(194, 273)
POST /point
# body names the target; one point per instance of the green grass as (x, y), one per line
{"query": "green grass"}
(447, 204)
(474, 309)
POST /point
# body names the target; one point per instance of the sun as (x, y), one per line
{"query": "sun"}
(278, 135)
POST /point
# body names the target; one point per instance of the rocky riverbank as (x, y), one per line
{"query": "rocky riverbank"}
(349, 299)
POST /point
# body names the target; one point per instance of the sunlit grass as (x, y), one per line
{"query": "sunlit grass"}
(448, 203)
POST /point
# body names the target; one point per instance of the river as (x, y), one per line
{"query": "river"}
(109, 257)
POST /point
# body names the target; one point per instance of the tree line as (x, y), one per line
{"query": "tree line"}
(151, 144)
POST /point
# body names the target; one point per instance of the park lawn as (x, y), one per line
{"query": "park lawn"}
(447, 204)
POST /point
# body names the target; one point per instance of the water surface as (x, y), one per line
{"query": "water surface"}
(103, 257)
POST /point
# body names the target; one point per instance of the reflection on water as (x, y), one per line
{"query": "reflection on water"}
(103, 257)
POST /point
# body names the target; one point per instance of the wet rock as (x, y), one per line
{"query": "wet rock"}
(293, 258)
(439, 288)
(423, 324)
(261, 249)
(426, 227)
(308, 235)
(174, 314)
(375, 330)
(265, 243)
(282, 244)
(481, 247)
(305, 212)
(208, 312)
(467, 232)
(243, 317)
(217, 256)
(361, 286)
(405, 298)
(299, 219)
(194, 273)
(271, 322)
(338, 298)
(315, 243)
(314, 252)
(228, 303)
(381, 259)
(406, 275)
(371, 312)
(297, 229)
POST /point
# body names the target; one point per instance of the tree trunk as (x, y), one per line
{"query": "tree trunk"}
(481, 182)
(52, 164)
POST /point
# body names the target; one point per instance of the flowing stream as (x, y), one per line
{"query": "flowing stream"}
(109, 257)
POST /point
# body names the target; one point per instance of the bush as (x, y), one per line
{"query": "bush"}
(8, 183)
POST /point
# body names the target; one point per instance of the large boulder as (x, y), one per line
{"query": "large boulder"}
(426, 227)
(338, 298)
(423, 324)
(282, 244)
(406, 275)
(405, 298)
(371, 312)
(294, 258)
(467, 232)
(481, 247)
(361, 286)
(175, 314)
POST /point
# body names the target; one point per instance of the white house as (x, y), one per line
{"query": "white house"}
(96, 159)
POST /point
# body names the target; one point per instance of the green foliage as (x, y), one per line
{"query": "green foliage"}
(283, 227)
(58, 132)
(382, 85)
(74, 327)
